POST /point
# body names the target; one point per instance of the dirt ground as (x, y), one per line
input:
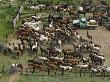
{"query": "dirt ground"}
(101, 36)
(13, 77)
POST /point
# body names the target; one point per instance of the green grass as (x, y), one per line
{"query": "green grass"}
(68, 77)
(7, 60)
(7, 13)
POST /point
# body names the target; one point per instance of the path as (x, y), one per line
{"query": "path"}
(13, 77)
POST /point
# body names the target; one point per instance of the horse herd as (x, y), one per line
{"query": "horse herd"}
(48, 47)
(73, 9)
(47, 43)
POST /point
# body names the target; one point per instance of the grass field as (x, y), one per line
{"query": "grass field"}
(42, 76)
(68, 77)
(7, 13)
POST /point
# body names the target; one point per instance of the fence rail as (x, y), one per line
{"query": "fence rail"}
(16, 18)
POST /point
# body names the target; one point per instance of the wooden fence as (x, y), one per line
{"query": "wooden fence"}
(16, 18)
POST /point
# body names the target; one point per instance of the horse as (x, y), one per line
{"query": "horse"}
(10, 48)
(51, 66)
(21, 48)
(106, 70)
(43, 50)
(35, 62)
(65, 68)
(94, 71)
(34, 48)
(16, 67)
(56, 61)
(81, 11)
(59, 43)
(97, 59)
(72, 61)
(51, 25)
(34, 67)
(15, 47)
(89, 36)
(86, 60)
(39, 7)
(57, 50)
(55, 8)
(84, 67)
(98, 69)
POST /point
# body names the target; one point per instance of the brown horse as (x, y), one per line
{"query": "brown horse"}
(72, 61)
(89, 36)
(34, 67)
(51, 66)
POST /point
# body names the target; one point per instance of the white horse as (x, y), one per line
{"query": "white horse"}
(59, 43)
(35, 48)
(85, 66)
(107, 69)
(96, 48)
(42, 58)
(51, 24)
(58, 58)
(66, 67)
(99, 56)
(58, 49)
(34, 25)
(37, 17)
(43, 38)
(13, 68)
(35, 7)
(42, 6)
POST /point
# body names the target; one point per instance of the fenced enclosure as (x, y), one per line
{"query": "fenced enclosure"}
(23, 12)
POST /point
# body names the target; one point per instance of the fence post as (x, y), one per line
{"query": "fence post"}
(62, 71)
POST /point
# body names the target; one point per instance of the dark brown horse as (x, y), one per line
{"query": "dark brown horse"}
(89, 36)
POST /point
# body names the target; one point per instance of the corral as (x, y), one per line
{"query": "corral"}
(45, 44)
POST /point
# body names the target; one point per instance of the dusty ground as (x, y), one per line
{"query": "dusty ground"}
(101, 36)
(13, 77)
